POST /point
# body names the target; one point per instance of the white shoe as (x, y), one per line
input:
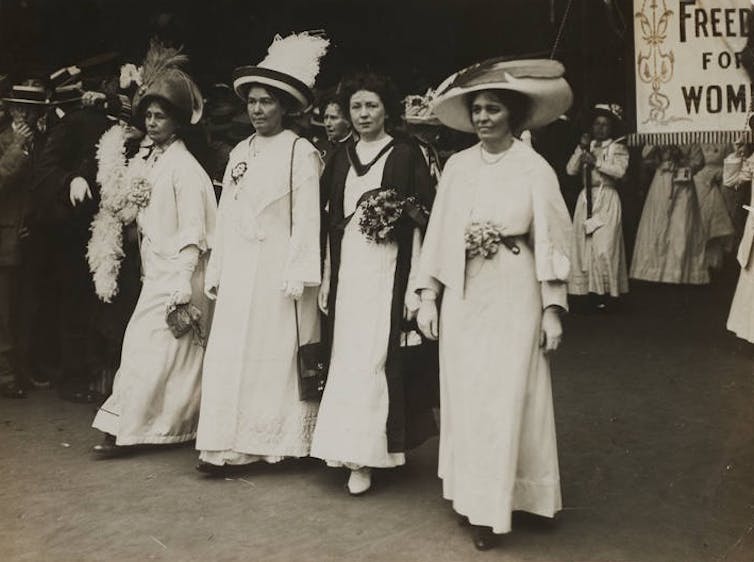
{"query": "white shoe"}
(360, 481)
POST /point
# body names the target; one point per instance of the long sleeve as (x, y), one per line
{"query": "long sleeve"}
(303, 259)
(736, 170)
(195, 206)
(215, 265)
(694, 158)
(614, 162)
(574, 162)
(551, 234)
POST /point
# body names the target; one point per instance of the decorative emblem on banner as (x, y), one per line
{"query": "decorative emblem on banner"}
(655, 64)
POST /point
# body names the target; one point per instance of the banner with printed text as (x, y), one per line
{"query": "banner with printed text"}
(690, 83)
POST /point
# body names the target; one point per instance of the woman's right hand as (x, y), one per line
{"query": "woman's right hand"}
(323, 296)
(427, 319)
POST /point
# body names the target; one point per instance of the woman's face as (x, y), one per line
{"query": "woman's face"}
(601, 128)
(161, 126)
(265, 111)
(336, 124)
(490, 117)
(367, 114)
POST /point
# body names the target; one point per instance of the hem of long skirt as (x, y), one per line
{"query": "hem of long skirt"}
(654, 276)
(581, 291)
(107, 422)
(397, 459)
(745, 335)
(232, 457)
(503, 529)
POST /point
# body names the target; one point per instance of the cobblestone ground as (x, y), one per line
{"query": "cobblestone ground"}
(655, 422)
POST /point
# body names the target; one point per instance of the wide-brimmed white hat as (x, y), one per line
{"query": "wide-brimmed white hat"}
(540, 80)
(291, 65)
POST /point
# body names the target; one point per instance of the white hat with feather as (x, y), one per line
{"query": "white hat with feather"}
(291, 65)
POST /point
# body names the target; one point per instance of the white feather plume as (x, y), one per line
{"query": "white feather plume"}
(297, 55)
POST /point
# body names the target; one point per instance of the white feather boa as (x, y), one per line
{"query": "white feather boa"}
(123, 192)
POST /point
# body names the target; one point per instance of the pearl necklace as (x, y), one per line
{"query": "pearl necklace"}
(495, 159)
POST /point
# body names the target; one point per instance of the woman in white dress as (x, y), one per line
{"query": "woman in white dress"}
(265, 266)
(367, 291)
(671, 239)
(496, 252)
(738, 169)
(156, 390)
(597, 250)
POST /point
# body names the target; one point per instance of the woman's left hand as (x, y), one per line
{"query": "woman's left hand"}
(552, 330)
(293, 289)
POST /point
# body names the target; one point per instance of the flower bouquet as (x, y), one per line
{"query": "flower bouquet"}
(484, 239)
(380, 213)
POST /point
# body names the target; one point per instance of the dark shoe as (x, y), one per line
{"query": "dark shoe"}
(210, 469)
(14, 390)
(108, 449)
(483, 537)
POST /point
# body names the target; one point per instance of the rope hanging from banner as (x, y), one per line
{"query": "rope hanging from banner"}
(561, 29)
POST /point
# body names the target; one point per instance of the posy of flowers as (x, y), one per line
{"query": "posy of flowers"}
(484, 239)
(382, 211)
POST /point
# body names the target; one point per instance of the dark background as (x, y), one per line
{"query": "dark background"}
(417, 42)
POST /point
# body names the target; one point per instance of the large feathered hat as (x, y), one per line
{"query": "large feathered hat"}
(163, 77)
(291, 65)
(540, 80)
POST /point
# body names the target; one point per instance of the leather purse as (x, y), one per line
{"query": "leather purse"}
(182, 319)
(311, 362)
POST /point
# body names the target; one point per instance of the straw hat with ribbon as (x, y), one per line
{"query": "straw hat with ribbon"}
(613, 112)
(291, 65)
(29, 92)
(540, 80)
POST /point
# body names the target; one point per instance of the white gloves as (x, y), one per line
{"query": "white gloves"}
(79, 191)
(293, 289)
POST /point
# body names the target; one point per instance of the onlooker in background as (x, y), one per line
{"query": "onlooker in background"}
(717, 224)
(336, 124)
(670, 242)
(21, 138)
(425, 127)
(738, 168)
(598, 255)
(65, 180)
(221, 107)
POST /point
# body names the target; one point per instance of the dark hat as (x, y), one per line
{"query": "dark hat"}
(164, 78)
(29, 92)
(119, 107)
(71, 93)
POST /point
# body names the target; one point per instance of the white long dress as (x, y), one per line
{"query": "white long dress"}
(599, 257)
(498, 450)
(351, 429)
(670, 240)
(741, 316)
(157, 388)
(250, 407)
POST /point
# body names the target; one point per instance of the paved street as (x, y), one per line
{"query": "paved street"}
(655, 423)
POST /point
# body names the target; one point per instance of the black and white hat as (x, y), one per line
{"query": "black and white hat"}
(291, 65)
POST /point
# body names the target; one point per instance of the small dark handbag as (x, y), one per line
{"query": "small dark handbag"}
(182, 319)
(310, 358)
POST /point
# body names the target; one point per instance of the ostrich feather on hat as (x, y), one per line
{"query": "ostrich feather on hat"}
(540, 80)
(162, 76)
(291, 65)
